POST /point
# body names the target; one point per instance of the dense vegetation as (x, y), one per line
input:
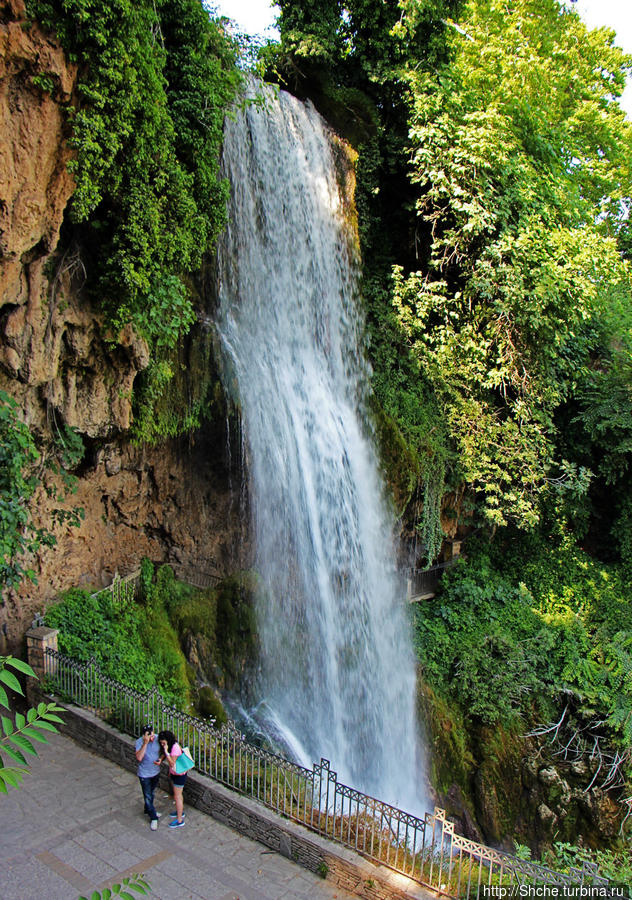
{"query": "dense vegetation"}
(494, 176)
(155, 79)
(494, 192)
(142, 637)
(527, 627)
(494, 179)
(133, 643)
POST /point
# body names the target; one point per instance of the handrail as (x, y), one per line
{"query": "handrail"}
(424, 582)
(426, 850)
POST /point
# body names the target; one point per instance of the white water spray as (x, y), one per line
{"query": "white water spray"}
(338, 672)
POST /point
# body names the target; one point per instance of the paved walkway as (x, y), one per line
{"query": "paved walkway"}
(77, 825)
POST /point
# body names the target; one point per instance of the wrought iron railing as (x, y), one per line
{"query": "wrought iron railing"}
(122, 588)
(426, 850)
(129, 586)
(424, 582)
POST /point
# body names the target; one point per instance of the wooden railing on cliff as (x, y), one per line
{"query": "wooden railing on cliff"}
(425, 849)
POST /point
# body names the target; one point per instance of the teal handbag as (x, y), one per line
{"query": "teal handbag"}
(184, 762)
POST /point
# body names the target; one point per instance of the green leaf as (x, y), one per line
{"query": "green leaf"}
(20, 665)
(95, 895)
(32, 733)
(3, 787)
(11, 681)
(23, 743)
(7, 725)
(31, 715)
(14, 754)
(4, 700)
(52, 718)
(40, 723)
(11, 776)
(20, 721)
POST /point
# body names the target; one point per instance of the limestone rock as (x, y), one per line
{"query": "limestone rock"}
(547, 818)
(35, 184)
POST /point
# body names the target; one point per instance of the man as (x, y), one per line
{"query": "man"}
(147, 754)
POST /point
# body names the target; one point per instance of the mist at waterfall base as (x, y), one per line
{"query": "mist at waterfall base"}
(337, 670)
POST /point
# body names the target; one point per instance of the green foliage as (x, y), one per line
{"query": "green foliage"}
(525, 622)
(18, 456)
(155, 80)
(616, 865)
(483, 643)
(522, 161)
(147, 580)
(19, 731)
(596, 432)
(45, 81)
(494, 162)
(131, 643)
(22, 471)
(136, 883)
(224, 618)
(179, 388)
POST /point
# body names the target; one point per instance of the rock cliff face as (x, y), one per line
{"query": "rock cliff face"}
(52, 356)
(172, 503)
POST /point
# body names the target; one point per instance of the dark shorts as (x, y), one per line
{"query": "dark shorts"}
(178, 780)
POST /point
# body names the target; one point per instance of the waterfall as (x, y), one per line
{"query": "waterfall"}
(337, 666)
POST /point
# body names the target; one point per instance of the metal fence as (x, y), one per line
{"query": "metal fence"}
(129, 587)
(122, 589)
(425, 850)
(424, 582)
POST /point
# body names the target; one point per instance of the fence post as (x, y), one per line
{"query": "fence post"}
(39, 639)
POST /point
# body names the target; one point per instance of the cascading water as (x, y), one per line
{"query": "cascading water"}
(337, 668)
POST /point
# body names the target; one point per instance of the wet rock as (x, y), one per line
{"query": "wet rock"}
(547, 818)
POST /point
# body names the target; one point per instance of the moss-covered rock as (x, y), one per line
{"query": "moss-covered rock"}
(209, 706)
(502, 787)
(217, 630)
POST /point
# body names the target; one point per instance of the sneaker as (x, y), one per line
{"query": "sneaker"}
(176, 824)
(174, 814)
(153, 824)
(158, 815)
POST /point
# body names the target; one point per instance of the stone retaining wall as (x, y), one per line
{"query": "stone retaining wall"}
(340, 866)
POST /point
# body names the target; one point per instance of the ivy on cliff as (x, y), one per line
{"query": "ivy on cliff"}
(23, 470)
(154, 82)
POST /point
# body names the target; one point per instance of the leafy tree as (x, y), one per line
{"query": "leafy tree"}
(521, 157)
(596, 431)
(493, 174)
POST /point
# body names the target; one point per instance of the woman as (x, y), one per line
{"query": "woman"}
(171, 750)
